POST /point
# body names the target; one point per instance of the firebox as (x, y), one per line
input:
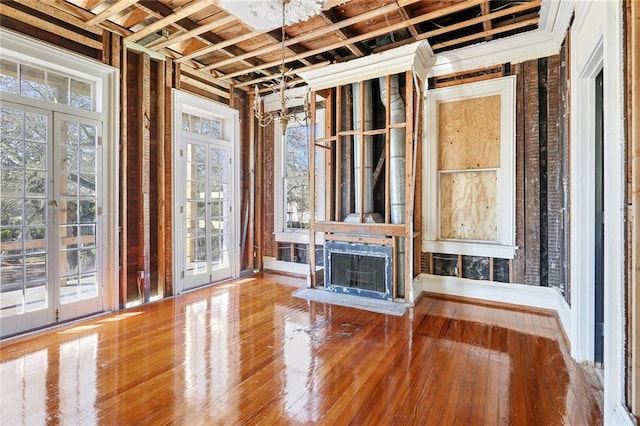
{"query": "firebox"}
(359, 269)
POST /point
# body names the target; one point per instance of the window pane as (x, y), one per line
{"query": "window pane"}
(58, 88)
(8, 76)
(32, 82)
(297, 149)
(12, 123)
(35, 182)
(297, 208)
(11, 152)
(11, 182)
(216, 129)
(35, 127)
(185, 122)
(81, 95)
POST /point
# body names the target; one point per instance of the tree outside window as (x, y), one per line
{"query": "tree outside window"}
(296, 177)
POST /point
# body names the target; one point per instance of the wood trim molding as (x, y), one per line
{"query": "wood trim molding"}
(416, 56)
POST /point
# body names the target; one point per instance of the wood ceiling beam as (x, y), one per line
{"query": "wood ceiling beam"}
(480, 19)
(179, 13)
(205, 76)
(467, 23)
(46, 7)
(271, 77)
(369, 35)
(116, 7)
(412, 29)
(485, 10)
(329, 17)
(510, 27)
(44, 25)
(313, 34)
(214, 47)
(186, 24)
(86, 15)
(278, 40)
(181, 36)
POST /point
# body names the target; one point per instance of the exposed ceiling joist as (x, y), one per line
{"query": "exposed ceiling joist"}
(181, 36)
(220, 46)
(179, 13)
(115, 8)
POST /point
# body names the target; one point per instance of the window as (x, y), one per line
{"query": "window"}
(470, 169)
(39, 83)
(292, 175)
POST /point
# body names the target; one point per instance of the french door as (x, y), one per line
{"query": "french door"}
(50, 219)
(207, 208)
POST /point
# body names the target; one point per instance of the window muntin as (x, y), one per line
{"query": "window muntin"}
(201, 125)
(42, 84)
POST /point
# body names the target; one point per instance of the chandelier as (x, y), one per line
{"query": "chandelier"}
(279, 87)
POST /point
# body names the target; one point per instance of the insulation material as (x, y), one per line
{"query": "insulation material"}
(468, 209)
(469, 133)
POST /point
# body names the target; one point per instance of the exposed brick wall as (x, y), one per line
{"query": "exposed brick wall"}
(541, 174)
(268, 239)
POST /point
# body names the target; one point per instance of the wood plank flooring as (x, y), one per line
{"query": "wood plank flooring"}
(248, 352)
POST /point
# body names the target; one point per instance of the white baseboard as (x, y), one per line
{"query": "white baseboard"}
(515, 294)
(271, 264)
(301, 269)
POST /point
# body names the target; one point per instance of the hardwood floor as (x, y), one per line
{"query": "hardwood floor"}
(249, 352)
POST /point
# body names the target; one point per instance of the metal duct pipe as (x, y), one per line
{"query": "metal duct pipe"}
(397, 166)
(367, 184)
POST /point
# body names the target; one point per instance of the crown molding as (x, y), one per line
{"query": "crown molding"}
(416, 56)
(546, 40)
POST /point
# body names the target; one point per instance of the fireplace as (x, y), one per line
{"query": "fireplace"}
(359, 269)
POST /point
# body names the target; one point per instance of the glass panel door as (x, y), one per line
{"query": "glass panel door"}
(49, 168)
(76, 195)
(207, 210)
(25, 151)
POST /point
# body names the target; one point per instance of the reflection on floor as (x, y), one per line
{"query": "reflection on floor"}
(249, 352)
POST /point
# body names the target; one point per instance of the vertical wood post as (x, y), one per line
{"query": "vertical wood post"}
(144, 164)
(312, 198)
(360, 199)
(160, 171)
(167, 172)
(338, 184)
(408, 193)
(259, 200)
(124, 244)
(517, 266)
(387, 154)
(252, 185)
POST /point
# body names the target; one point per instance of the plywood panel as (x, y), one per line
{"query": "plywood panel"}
(468, 205)
(469, 133)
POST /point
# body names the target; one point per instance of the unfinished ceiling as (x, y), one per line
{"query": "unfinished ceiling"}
(204, 36)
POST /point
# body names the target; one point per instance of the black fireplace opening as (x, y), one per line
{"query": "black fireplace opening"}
(359, 269)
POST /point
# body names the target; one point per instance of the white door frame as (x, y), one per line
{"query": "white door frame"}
(596, 43)
(186, 102)
(105, 80)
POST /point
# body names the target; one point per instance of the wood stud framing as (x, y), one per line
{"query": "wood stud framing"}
(334, 228)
